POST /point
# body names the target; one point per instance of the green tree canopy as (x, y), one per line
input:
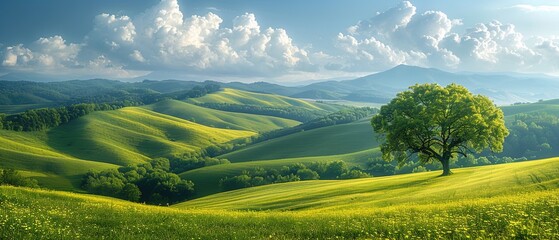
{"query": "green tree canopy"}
(438, 123)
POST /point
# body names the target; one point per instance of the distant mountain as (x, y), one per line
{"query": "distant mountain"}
(503, 89)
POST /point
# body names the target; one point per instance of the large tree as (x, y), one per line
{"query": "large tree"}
(438, 123)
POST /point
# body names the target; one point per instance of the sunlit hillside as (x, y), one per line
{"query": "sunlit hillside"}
(501, 201)
(401, 190)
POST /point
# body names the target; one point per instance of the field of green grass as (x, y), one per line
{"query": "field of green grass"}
(220, 119)
(234, 96)
(331, 140)
(510, 201)
(418, 188)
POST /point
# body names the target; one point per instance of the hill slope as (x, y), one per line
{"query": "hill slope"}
(132, 135)
(332, 140)
(408, 189)
(37, 214)
(29, 151)
(59, 157)
(220, 119)
(233, 96)
(549, 107)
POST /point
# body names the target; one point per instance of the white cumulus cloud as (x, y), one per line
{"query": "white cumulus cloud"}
(46, 52)
(400, 35)
(163, 38)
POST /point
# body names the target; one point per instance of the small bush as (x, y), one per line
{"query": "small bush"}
(12, 177)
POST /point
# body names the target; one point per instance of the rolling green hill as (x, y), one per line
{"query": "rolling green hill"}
(59, 157)
(31, 153)
(106, 139)
(220, 119)
(519, 200)
(233, 96)
(353, 143)
(550, 107)
(408, 189)
(332, 140)
(132, 135)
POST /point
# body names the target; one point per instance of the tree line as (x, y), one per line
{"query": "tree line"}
(193, 160)
(45, 118)
(533, 136)
(379, 167)
(295, 172)
(151, 182)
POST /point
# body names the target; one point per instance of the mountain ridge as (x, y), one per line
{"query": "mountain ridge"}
(502, 88)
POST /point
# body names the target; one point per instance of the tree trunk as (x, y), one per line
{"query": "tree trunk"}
(446, 166)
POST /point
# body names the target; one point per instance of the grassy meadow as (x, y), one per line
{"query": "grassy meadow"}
(519, 209)
(377, 192)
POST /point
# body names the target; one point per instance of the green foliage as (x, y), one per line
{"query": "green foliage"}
(295, 172)
(195, 92)
(439, 123)
(193, 161)
(307, 174)
(335, 170)
(532, 136)
(45, 118)
(354, 173)
(131, 192)
(150, 182)
(12, 177)
(379, 167)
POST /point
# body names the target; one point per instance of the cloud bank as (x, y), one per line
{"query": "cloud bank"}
(400, 35)
(163, 39)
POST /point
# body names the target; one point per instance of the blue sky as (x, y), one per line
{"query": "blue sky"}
(252, 40)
